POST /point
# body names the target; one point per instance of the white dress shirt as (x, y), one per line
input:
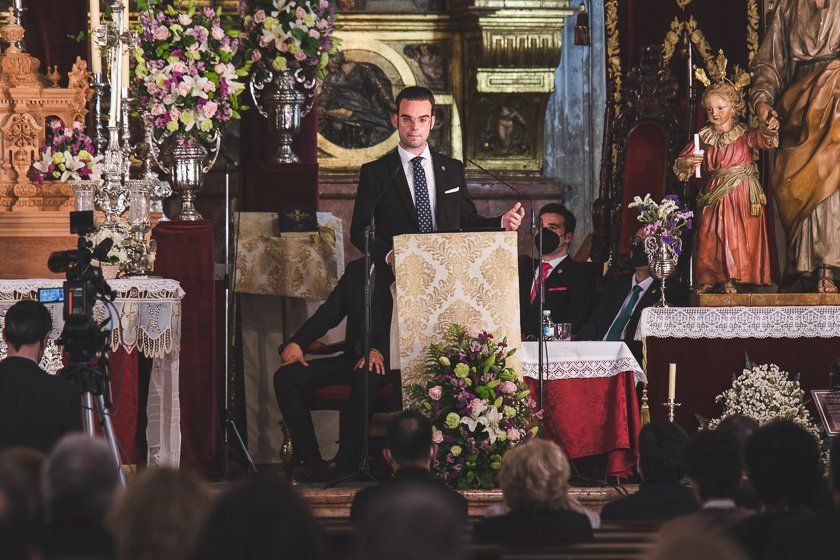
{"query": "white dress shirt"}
(645, 284)
(408, 167)
(553, 263)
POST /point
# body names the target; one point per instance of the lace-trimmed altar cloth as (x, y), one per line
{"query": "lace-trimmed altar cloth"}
(581, 360)
(146, 316)
(819, 321)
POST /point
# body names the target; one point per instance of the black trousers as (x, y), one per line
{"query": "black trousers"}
(292, 383)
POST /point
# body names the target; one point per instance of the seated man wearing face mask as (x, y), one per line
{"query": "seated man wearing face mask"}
(621, 305)
(569, 285)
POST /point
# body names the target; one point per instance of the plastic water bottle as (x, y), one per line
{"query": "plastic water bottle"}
(547, 325)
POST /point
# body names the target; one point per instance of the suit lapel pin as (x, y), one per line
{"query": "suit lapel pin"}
(443, 168)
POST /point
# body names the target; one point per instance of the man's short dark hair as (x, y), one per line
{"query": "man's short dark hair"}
(27, 322)
(785, 467)
(569, 220)
(415, 93)
(409, 437)
(661, 445)
(713, 460)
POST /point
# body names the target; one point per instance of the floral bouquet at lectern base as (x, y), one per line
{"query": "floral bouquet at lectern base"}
(479, 407)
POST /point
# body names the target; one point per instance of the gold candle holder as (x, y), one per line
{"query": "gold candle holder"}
(671, 405)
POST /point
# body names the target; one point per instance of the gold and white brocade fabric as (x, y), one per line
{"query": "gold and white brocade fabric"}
(445, 278)
(301, 265)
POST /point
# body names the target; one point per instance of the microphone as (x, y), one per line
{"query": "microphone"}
(511, 187)
(100, 252)
(384, 190)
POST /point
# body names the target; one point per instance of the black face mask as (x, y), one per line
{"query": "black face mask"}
(638, 255)
(550, 241)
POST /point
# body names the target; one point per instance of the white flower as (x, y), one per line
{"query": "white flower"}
(226, 71)
(274, 33)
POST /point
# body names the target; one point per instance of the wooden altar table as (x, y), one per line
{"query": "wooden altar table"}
(590, 399)
(148, 319)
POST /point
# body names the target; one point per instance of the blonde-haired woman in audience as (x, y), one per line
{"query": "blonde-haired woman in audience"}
(160, 515)
(535, 484)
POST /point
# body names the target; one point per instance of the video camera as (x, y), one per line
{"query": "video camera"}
(82, 337)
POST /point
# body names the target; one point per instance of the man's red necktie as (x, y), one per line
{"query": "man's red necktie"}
(545, 269)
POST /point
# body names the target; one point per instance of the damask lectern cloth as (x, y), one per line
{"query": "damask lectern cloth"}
(819, 321)
(445, 278)
(302, 265)
(146, 315)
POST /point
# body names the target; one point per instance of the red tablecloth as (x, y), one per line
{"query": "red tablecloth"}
(594, 416)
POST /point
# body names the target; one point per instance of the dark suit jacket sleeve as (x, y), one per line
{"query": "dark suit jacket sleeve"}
(584, 299)
(366, 194)
(327, 316)
(469, 215)
(73, 418)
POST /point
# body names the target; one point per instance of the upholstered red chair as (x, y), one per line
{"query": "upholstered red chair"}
(646, 137)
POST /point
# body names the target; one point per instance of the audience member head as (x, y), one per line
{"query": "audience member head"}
(535, 477)
(408, 441)
(261, 519)
(160, 515)
(412, 523)
(741, 428)
(80, 481)
(27, 463)
(28, 324)
(784, 464)
(19, 528)
(713, 463)
(558, 229)
(661, 445)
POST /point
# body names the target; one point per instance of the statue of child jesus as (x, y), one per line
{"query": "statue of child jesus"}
(732, 243)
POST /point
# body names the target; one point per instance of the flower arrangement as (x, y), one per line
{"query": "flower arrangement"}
(118, 253)
(184, 74)
(766, 393)
(477, 404)
(665, 220)
(69, 155)
(290, 34)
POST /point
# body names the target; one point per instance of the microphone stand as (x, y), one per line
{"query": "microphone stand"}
(228, 423)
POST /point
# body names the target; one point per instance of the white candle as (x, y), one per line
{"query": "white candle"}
(697, 151)
(95, 53)
(672, 382)
(126, 68)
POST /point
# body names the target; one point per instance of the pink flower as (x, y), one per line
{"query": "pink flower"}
(161, 33)
(209, 109)
(473, 331)
(300, 13)
(184, 89)
(158, 110)
(282, 47)
(174, 113)
(184, 19)
(259, 16)
(314, 34)
(437, 436)
(300, 55)
(435, 393)
(217, 33)
(256, 55)
(513, 434)
(324, 4)
(507, 387)
(477, 406)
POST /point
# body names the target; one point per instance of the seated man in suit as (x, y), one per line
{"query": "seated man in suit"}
(620, 307)
(569, 285)
(409, 451)
(36, 408)
(661, 495)
(296, 377)
(415, 190)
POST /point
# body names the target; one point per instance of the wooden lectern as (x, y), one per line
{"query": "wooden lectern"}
(445, 278)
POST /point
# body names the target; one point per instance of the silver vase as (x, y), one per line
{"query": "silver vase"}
(284, 103)
(186, 160)
(662, 261)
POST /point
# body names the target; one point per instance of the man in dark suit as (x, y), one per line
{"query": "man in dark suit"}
(418, 191)
(297, 377)
(36, 408)
(620, 307)
(569, 285)
(661, 495)
(409, 451)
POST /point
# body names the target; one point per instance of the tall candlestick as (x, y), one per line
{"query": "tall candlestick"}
(95, 52)
(672, 381)
(126, 55)
(697, 151)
